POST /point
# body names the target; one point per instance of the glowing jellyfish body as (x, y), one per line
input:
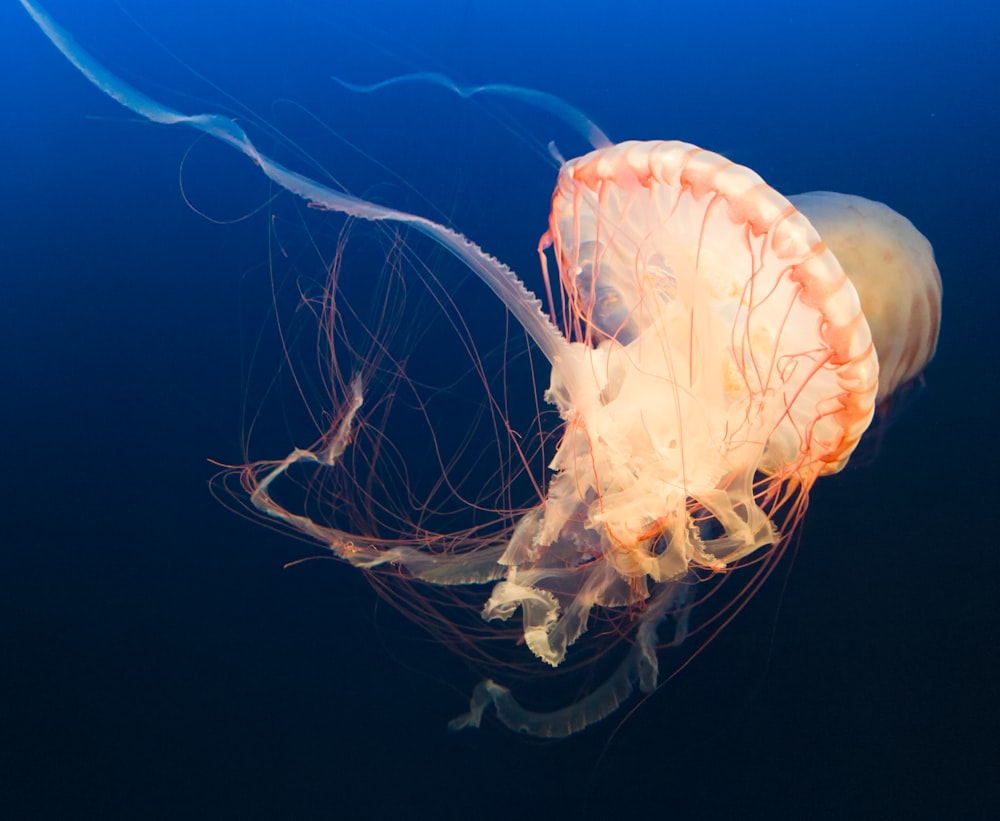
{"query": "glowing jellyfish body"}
(717, 340)
(722, 364)
(715, 361)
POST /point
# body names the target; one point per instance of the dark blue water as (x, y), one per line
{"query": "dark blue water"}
(159, 662)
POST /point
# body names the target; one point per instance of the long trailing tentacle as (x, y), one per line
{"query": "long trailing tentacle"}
(498, 277)
(554, 105)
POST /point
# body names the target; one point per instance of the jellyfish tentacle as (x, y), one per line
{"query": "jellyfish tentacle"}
(638, 667)
(444, 568)
(441, 568)
(498, 277)
(554, 105)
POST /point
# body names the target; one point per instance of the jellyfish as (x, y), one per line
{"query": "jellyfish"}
(718, 350)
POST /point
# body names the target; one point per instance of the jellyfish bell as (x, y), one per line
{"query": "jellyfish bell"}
(714, 360)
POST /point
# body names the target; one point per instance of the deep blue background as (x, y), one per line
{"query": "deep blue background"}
(157, 661)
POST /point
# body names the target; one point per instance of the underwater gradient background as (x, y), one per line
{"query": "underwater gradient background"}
(157, 661)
